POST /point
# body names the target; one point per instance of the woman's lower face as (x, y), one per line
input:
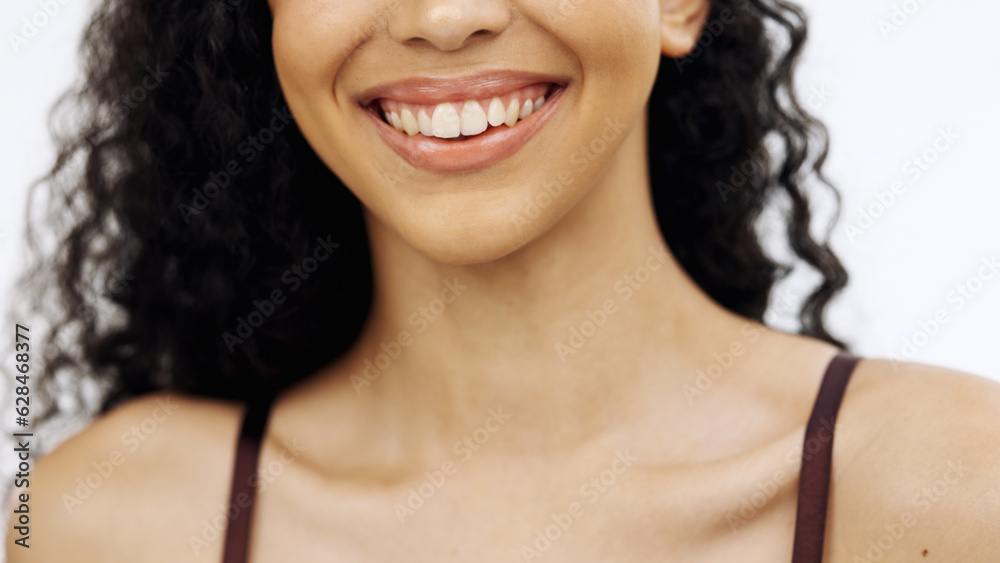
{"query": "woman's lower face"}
(452, 119)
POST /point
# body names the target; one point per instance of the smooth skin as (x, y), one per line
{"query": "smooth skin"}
(916, 451)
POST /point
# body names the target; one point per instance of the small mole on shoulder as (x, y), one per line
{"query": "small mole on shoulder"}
(924, 553)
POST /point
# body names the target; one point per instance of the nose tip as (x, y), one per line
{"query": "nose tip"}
(448, 25)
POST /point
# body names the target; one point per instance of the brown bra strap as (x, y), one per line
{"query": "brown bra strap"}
(814, 481)
(817, 457)
(242, 493)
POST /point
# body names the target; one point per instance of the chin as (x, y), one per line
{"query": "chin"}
(477, 239)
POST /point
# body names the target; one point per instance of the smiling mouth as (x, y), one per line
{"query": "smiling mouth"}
(462, 123)
(462, 120)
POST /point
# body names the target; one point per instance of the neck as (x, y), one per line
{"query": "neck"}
(584, 323)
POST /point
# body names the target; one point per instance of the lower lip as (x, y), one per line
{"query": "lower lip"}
(482, 151)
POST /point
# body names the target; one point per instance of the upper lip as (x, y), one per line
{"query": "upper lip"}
(432, 90)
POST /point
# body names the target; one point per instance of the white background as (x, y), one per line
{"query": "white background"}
(885, 97)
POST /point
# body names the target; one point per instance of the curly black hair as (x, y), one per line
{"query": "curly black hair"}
(186, 195)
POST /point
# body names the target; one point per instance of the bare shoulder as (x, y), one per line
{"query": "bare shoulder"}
(916, 466)
(134, 485)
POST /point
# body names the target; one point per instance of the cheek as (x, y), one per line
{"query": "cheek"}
(305, 57)
(607, 32)
(611, 47)
(305, 41)
(312, 39)
(617, 42)
(616, 47)
(311, 42)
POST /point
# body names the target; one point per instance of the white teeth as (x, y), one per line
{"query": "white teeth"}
(424, 122)
(395, 121)
(409, 123)
(473, 119)
(454, 119)
(445, 123)
(527, 109)
(513, 112)
(497, 114)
